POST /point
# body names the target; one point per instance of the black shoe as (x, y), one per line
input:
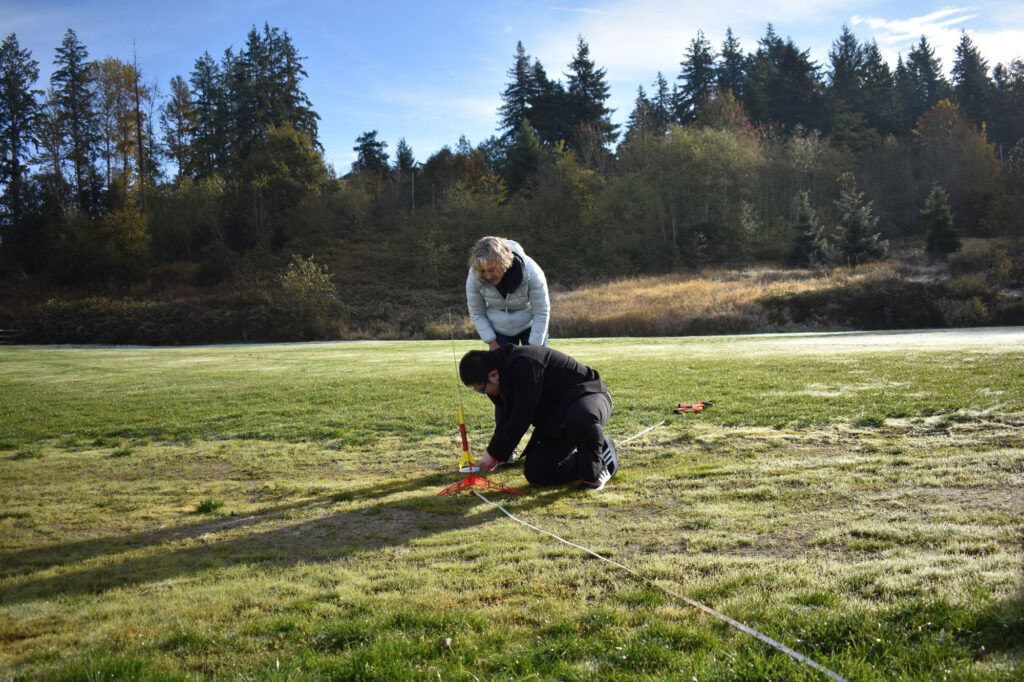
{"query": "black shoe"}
(603, 477)
(608, 455)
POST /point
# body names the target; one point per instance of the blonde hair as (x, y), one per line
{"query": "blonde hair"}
(488, 249)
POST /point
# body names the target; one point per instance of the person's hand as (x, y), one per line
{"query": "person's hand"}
(487, 462)
(493, 345)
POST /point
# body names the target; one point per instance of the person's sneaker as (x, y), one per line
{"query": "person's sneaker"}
(608, 455)
(603, 477)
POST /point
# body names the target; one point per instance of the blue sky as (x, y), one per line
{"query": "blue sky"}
(433, 71)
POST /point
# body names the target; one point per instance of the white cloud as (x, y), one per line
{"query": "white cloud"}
(943, 31)
(1001, 46)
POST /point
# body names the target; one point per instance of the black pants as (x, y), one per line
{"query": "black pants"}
(575, 454)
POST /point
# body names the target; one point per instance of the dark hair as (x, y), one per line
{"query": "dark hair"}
(475, 366)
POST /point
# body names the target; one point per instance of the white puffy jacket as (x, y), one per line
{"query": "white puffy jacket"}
(527, 306)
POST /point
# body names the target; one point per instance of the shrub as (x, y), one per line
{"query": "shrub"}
(969, 286)
(308, 287)
(208, 506)
(1003, 267)
(969, 313)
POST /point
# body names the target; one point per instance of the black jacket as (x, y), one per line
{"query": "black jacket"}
(537, 385)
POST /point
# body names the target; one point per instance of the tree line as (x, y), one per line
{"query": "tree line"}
(765, 155)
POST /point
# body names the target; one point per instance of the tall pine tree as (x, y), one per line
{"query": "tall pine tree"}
(782, 85)
(973, 89)
(731, 67)
(878, 101)
(1008, 105)
(587, 93)
(847, 58)
(178, 125)
(517, 98)
(549, 110)
(697, 77)
(73, 82)
(923, 84)
(210, 150)
(19, 118)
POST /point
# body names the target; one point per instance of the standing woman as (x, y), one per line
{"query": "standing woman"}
(507, 294)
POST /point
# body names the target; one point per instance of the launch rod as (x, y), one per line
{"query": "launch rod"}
(462, 430)
(466, 463)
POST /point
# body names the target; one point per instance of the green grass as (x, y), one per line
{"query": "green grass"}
(269, 512)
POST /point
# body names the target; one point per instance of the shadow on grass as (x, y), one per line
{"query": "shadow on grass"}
(197, 547)
(1000, 627)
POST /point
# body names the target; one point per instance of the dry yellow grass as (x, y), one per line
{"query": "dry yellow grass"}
(708, 302)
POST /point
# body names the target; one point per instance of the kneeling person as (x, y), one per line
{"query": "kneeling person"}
(566, 402)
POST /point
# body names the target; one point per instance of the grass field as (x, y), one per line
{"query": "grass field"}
(269, 512)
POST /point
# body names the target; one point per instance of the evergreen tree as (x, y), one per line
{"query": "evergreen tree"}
(587, 92)
(210, 140)
(641, 119)
(879, 102)
(289, 102)
(810, 247)
(530, 94)
(178, 125)
(1008, 104)
(661, 104)
(972, 87)
(19, 119)
(524, 160)
(370, 155)
(923, 84)
(906, 95)
(731, 68)
(844, 94)
(73, 83)
(405, 173)
(650, 115)
(847, 58)
(856, 221)
(548, 109)
(264, 85)
(405, 160)
(782, 85)
(238, 100)
(942, 236)
(518, 95)
(697, 77)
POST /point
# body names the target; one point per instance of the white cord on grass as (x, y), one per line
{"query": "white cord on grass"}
(695, 604)
(637, 435)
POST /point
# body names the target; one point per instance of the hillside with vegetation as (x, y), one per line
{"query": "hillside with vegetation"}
(757, 192)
